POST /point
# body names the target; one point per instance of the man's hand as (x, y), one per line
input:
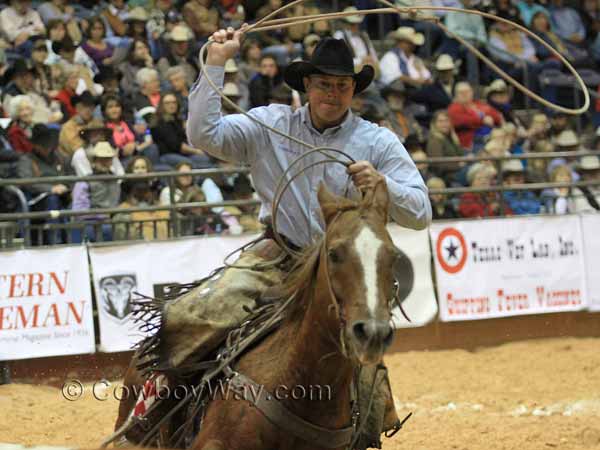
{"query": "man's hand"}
(364, 175)
(226, 44)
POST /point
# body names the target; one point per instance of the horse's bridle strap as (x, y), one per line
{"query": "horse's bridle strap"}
(281, 417)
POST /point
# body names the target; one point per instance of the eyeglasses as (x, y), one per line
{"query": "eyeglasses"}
(40, 49)
(326, 86)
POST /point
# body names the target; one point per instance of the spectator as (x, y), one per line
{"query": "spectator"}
(528, 9)
(178, 84)
(479, 204)
(178, 54)
(143, 138)
(250, 63)
(404, 123)
(18, 23)
(440, 207)
(519, 202)
(20, 77)
(56, 33)
(109, 80)
(44, 161)
(138, 58)
(472, 119)
(169, 135)
(443, 142)
(149, 92)
(70, 139)
(538, 141)
(559, 122)
(93, 132)
(59, 10)
(309, 43)
(157, 26)
(439, 93)
(566, 23)
(265, 81)
(400, 62)
(122, 136)
(498, 97)
(246, 215)
(96, 46)
(419, 156)
(589, 169)
(69, 81)
(358, 41)
(201, 17)
(540, 25)
(232, 75)
(97, 194)
(232, 92)
(114, 16)
(147, 225)
(141, 164)
(21, 125)
(564, 200)
(136, 24)
(567, 141)
(200, 220)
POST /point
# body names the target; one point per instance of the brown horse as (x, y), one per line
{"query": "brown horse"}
(341, 320)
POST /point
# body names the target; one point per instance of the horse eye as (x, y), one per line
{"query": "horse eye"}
(335, 255)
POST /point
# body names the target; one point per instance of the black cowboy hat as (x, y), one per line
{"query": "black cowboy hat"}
(107, 73)
(330, 57)
(43, 136)
(19, 67)
(86, 98)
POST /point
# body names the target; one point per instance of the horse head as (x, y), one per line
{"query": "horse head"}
(358, 255)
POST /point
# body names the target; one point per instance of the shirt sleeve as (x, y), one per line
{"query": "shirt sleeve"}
(410, 206)
(234, 137)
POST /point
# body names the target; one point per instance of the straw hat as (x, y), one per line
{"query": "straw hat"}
(138, 13)
(496, 86)
(567, 138)
(103, 150)
(512, 166)
(180, 33)
(408, 34)
(311, 39)
(589, 162)
(231, 90)
(444, 62)
(231, 66)
(353, 19)
(479, 167)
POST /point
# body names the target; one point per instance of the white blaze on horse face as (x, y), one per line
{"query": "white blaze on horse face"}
(367, 247)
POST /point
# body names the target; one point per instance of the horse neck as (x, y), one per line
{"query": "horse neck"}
(314, 356)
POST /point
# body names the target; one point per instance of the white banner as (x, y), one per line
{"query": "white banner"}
(420, 306)
(146, 267)
(45, 303)
(590, 224)
(507, 267)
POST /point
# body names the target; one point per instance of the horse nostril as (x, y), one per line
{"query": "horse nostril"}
(360, 331)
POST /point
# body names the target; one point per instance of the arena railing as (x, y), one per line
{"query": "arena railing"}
(177, 225)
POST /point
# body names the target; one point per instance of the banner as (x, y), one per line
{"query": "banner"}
(45, 303)
(507, 267)
(148, 268)
(590, 224)
(420, 306)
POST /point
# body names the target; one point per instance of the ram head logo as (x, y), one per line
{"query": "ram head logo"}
(115, 293)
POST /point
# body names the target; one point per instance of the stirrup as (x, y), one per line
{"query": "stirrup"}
(397, 427)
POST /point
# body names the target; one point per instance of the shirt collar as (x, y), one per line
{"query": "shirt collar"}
(347, 122)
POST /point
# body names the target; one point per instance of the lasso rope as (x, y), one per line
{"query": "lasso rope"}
(265, 24)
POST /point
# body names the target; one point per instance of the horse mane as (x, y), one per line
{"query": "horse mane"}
(300, 278)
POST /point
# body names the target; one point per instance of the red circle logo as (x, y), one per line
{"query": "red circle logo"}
(451, 250)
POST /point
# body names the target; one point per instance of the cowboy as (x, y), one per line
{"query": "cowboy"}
(330, 81)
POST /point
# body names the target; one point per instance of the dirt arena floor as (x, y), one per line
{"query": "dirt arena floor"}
(530, 395)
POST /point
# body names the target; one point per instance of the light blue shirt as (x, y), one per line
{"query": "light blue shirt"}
(236, 138)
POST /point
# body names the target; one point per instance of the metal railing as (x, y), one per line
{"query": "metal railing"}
(74, 220)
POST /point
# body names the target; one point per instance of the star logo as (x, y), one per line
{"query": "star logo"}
(451, 250)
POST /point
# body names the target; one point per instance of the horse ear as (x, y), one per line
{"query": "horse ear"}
(377, 199)
(328, 202)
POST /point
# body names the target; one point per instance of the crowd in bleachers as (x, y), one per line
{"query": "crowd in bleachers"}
(101, 87)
